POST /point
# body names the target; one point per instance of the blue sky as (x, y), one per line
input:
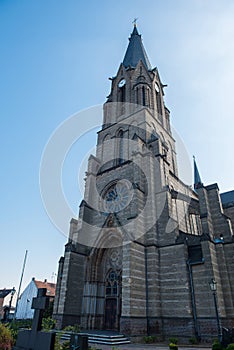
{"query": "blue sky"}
(55, 60)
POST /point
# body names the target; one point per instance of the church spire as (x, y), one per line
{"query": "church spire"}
(135, 51)
(197, 179)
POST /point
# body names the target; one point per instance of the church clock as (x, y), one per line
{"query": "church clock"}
(122, 83)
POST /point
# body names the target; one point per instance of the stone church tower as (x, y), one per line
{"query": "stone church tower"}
(145, 246)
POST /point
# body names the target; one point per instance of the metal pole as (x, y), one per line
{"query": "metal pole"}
(10, 303)
(21, 279)
(217, 318)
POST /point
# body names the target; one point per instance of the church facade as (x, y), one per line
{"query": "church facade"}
(141, 254)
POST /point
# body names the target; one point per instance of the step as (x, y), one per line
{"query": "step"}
(105, 339)
(118, 339)
(109, 341)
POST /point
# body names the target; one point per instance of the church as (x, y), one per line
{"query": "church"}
(145, 247)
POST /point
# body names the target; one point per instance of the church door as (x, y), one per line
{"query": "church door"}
(113, 300)
(111, 308)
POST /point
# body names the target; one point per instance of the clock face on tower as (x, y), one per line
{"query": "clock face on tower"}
(122, 83)
(118, 196)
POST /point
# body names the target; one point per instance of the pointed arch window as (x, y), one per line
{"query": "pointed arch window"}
(158, 99)
(137, 95)
(172, 158)
(148, 97)
(120, 147)
(105, 145)
(143, 96)
(122, 93)
(113, 282)
(122, 90)
(122, 96)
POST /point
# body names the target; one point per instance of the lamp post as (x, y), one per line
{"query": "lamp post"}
(213, 288)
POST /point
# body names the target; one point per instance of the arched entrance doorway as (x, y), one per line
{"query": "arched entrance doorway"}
(113, 297)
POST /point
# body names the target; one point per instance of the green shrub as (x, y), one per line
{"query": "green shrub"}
(66, 345)
(230, 346)
(216, 341)
(49, 310)
(75, 328)
(58, 345)
(47, 324)
(193, 341)
(149, 339)
(6, 339)
(217, 346)
(15, 325)
(173, 346)
(173, 340)
(14, 328)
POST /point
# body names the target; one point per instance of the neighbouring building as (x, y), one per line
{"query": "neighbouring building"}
(24, 310)
(145, 245)
(7, 303)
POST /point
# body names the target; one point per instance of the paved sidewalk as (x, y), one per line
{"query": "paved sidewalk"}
(137, 346)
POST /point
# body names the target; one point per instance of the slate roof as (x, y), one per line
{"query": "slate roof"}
(4, 293)
(48, 285)
(227, 197)
(136, 51)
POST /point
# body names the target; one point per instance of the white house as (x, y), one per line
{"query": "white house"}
(24, 310)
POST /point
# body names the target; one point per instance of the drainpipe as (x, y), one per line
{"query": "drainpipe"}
(147, 292)
(196, 325)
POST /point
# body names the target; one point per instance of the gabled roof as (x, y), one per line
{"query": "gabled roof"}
(4, 293)
(227, 197)
(135, 52)
(48, 285)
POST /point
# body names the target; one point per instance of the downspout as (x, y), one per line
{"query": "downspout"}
(147, 292)
(194, 309)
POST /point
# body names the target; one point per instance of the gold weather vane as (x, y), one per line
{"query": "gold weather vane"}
(135, 22)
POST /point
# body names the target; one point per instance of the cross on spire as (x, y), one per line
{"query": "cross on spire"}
(135, 21)
(135, 51)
